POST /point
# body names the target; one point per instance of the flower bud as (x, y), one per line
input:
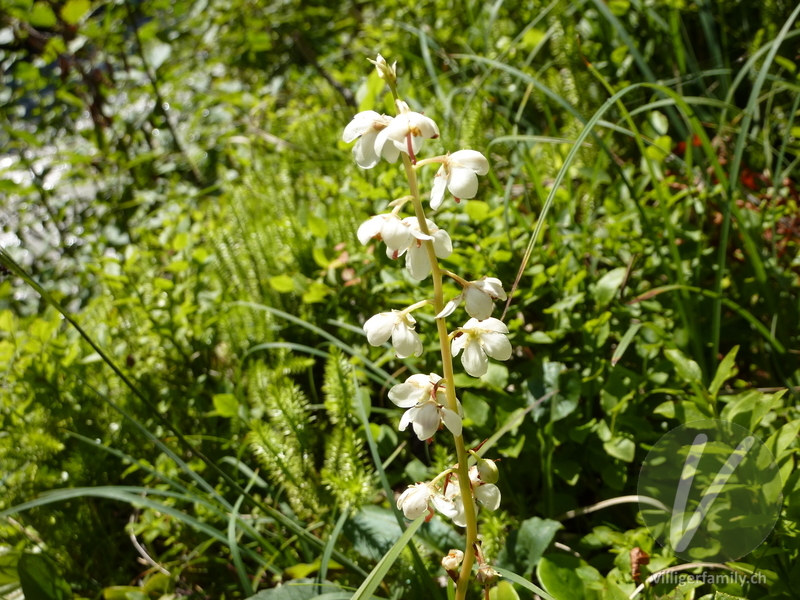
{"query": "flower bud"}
(452, 561)
(487, 471)
(385, 72)
(487, 575)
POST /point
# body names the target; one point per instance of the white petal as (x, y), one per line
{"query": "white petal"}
(488, 496)
(493, 325)
(496, 345)
(449, 307)
(390, 152)
(426, 420)
(492, 286)
(478, 303)
(369, 229)
(361, 123)
(364, 150)
(406, 342)
(442, 244)
(406, 419)
(384, 147)
(398, 129)
(396, 235)
(426, 126)
(458, 344)
(451, 420)
(414, 501)
(417, 262)
(444, 505)
(438, 188)
(406, 395)
(471, 159)
(474, 360)
(475, 324)
(379, 328)
(460, 516)
(463, 182)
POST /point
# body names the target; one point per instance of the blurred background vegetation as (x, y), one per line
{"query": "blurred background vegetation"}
(172, 175)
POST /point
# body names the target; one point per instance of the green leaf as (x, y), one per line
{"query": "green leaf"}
(74, 10)
(503, 591)
(282, 284)
(40, 579)
(511, 576)
(625, 342)
(317, 226)
(621, 448)
(42, 16)
(525, 546)
(477, 210)
(608, 286)
(724, 596)
(559, 575)
(226, 405)
(688, 370)
(726, 370)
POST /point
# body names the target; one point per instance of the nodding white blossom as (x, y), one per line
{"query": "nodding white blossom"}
(400, 327)
(366, 126)
(391, 229)
(479, 297)
(459, 174)
(453, 560)
(417, 260)
(414, 502)
(407, 125)
(425, 400)
(479, 339)
(486, 494)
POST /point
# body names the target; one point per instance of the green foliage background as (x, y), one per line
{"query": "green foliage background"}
(173, 175)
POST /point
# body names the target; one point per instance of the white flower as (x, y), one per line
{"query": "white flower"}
(391, 229)
(459, 174)
(397, 325)
(451, 504)
(479, 296)
(406, 125)
(366, 126)
(452, 561)
(417, 260)
(416, 389)
(414, 501)
(479, 339)
(426, 418)
(487, 495)
(425, 399)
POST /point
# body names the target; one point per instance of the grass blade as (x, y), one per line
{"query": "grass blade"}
(377, 574)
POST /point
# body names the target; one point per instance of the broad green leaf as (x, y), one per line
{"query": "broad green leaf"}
(503, 591)
(40, 579)
(559, 576)
(608, 286)
(726, 370)
(688, 370)
(282, 283)
(42, 15)
(525, 546)
(620, 447)
(74, 10)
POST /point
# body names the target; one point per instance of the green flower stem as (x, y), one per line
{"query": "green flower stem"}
(450, 390)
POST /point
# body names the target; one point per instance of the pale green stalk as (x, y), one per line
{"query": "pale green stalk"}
(450, 390)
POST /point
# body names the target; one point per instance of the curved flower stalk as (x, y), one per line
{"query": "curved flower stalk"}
(430, 401)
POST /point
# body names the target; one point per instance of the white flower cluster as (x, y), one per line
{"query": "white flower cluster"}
(446, 499)
(429, 400)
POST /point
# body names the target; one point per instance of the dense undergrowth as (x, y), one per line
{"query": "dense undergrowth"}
(174, 180)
